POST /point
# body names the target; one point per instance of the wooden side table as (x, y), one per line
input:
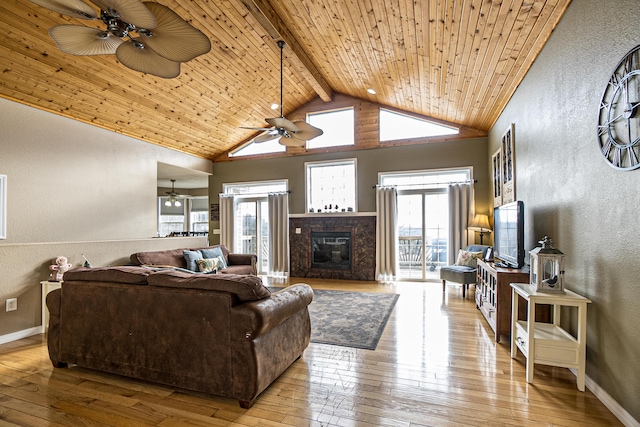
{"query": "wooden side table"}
(549, 343)
(47, 287)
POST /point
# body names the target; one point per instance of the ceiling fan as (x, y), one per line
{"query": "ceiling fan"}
(164, 40)
(291, 134)
(173, 196)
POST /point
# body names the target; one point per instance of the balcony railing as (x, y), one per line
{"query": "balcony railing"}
(410, 253)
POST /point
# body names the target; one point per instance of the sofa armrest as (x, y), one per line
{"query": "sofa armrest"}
(255, 318)
(244, 259)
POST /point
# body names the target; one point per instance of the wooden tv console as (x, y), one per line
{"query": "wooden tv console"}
(493, 296)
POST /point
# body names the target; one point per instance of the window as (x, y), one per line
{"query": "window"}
(252, 148)
(331, 184)
(337, 127)
(395, 126)
(171, 218)
(199, 214)
(192, 216)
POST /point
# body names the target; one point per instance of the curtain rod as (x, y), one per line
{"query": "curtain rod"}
(471, 181)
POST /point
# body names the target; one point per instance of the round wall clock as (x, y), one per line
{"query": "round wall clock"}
(618, 117)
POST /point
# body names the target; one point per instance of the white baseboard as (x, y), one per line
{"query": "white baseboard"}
(14, 336)
(604, 397)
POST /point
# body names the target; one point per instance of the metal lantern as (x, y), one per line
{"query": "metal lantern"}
(547, 268)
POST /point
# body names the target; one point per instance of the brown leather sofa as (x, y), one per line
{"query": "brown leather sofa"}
(236, 263)
(222, 334)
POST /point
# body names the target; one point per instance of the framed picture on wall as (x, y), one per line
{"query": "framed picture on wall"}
(508, 166)
(3, 206)
(496, 167)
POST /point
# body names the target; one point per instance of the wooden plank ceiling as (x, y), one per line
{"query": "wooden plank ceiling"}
(453, 60)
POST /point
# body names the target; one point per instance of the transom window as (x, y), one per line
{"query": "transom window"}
(395, 126)
(337, 127)
(331, 186)
(253, 148)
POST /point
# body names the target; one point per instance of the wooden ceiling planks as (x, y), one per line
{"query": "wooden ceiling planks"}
(454, 60)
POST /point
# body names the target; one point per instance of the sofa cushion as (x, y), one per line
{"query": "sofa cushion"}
(173, 257)
(124, 274)
(192, 258)
(246, 288)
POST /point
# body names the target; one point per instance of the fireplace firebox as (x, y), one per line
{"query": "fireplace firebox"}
(331, 250)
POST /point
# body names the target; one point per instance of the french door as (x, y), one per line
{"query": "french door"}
(252, 229)
(423, 225)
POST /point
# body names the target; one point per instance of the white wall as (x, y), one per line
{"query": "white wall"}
(589, 209)
(72, 189)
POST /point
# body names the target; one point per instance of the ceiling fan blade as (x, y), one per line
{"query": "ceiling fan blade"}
(265, 137)
(281, 122)
(173, 37)
(291, 142)
(75, 8)
(251, 128)
(130, 11)
(79, 40)
(307, 132)
(137, 56)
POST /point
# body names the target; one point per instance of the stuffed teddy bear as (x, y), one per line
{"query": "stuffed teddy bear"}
(60, 266)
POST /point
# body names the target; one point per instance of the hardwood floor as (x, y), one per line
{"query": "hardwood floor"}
(436, 365)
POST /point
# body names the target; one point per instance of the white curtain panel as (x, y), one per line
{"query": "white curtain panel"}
(226, 220)
(278, 234)
(386, 233)
(460, 214)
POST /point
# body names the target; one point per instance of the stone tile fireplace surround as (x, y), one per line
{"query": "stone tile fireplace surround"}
(363, 244)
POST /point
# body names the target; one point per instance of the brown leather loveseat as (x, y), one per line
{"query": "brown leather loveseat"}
(222, 334)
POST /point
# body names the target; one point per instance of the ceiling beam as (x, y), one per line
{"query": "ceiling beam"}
(263, 12)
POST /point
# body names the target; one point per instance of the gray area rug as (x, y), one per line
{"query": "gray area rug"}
(349, 319)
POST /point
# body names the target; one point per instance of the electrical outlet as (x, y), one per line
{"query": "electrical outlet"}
(12, 304)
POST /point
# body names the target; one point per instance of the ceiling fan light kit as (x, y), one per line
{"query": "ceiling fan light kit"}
(290, 134)
(164, 40)
(173, 196)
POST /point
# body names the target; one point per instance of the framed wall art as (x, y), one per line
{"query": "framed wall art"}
(508, 166)
(3, 206)
(496, 167)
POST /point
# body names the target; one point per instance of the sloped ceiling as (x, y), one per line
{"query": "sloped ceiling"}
(457, 61)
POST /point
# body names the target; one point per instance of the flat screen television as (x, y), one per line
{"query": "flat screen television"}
(508, 235)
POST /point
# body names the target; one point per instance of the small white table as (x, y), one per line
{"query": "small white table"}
(548, 343)
(47, 287)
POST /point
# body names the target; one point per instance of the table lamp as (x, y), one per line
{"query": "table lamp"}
(480, 224)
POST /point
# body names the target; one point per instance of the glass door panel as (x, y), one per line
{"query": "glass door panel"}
(263, 237)
(411, 233)
(436, 220)
(252, 230)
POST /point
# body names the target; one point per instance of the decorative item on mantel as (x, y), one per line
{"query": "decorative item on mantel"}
(547, 268)
(59, 266)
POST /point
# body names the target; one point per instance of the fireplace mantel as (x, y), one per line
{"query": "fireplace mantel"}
(331, 214)
(363, 234)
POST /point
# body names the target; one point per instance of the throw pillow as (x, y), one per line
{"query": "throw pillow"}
(211, 253)
(206, 265)
(468, 259)
(192, 258)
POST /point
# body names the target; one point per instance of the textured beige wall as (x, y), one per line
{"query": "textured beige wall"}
(570, 193)
(72, 189)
